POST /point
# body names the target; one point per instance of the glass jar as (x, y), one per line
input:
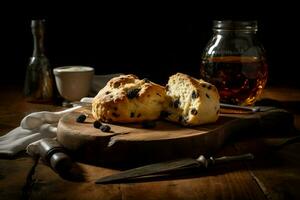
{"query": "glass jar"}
(234, 61)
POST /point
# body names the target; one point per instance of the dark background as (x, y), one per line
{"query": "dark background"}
(150, 40)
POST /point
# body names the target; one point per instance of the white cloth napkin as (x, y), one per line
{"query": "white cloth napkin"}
(39, 125)
(33, 127)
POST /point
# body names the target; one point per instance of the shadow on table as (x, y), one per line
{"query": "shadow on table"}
(291, 106)
(265, 158)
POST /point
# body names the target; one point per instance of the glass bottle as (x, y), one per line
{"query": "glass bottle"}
(39, 83)
(234, 61)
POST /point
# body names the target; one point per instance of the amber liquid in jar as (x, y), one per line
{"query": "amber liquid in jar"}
(240, 80)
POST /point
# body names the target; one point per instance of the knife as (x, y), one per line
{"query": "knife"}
(244, 108)
(251, 109)
(169, 166)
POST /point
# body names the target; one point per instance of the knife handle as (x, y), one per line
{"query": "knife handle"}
(55, 155)
(224, 159)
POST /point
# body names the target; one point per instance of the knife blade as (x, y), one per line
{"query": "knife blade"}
(244, 108)
(169, 166)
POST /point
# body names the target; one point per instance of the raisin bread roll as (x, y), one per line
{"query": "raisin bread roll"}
(190, 101)
(127, 99)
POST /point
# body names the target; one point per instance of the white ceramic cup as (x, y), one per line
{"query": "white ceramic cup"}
(73, 82)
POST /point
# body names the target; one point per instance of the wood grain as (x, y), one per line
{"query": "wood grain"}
(131, 143)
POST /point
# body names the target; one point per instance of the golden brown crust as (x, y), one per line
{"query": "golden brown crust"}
(128, 99)
(185, 100)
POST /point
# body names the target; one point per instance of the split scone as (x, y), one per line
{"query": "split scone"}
(127, 99)
(190, 101)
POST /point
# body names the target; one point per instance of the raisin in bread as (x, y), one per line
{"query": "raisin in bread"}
(127, 99)
(190, 101)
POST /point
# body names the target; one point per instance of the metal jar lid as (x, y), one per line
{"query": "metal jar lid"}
(232, 25)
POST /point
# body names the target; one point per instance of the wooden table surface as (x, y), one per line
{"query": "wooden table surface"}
(273, 174)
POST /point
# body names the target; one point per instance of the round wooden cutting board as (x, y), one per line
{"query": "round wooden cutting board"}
(131, 143)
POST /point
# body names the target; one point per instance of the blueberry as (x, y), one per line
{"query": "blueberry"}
(132, 114)
(81, 118)
(176, 103)
(194, 111)
(105, 128)
(97, 124)
(132, 93)
(180, 118)
(194, 95)
(164, 114)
